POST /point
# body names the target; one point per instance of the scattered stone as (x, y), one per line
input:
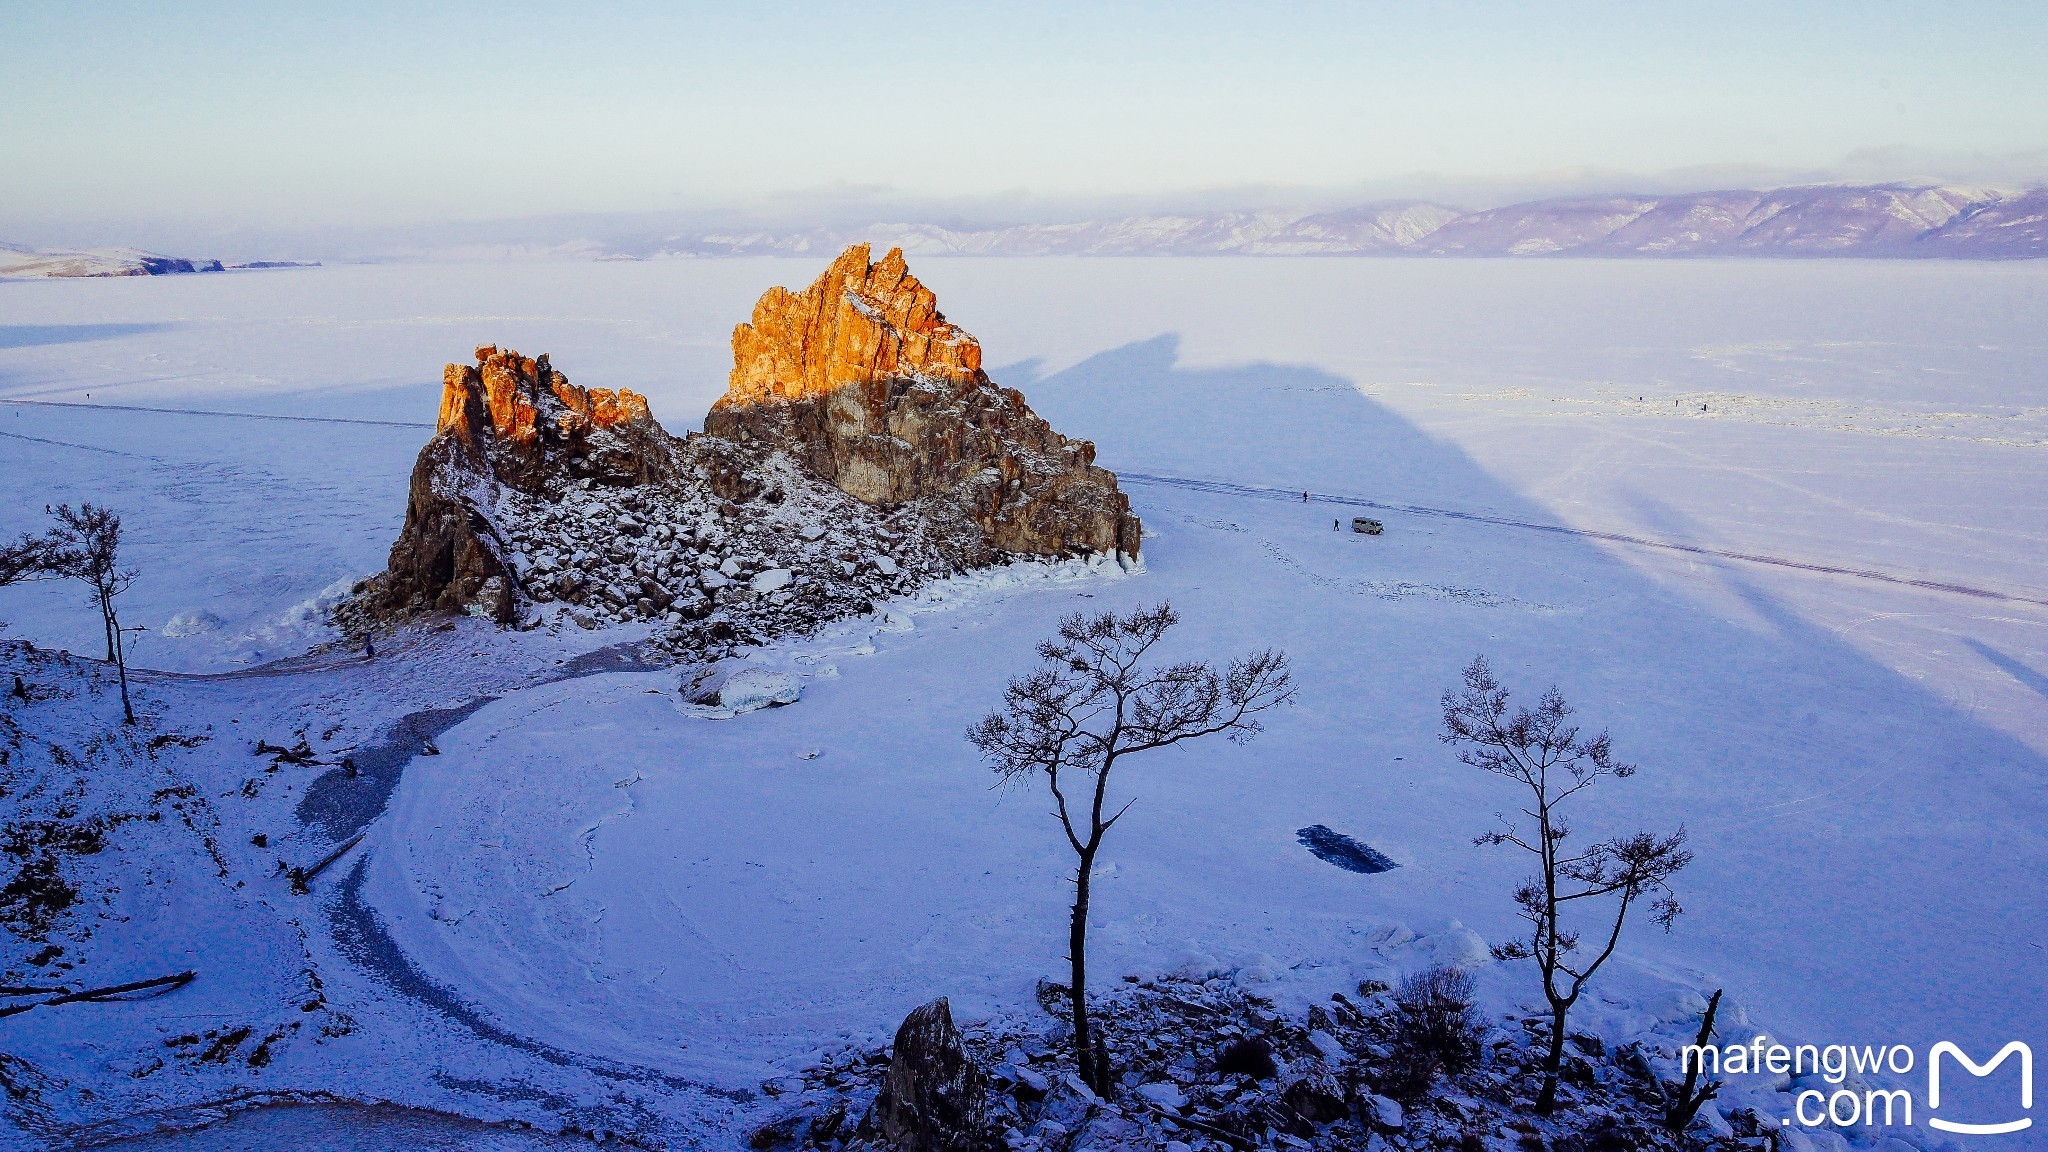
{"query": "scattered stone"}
(1316, 1098)
(1329, 1046)
(1250, 1057)
(1164, 1093)
(1169, 1095)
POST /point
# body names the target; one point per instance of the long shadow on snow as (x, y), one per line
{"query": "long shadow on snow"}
(1896, 822)
(41, 335)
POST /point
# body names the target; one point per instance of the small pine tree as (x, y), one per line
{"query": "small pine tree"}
(1093, 702)
(1543, 751)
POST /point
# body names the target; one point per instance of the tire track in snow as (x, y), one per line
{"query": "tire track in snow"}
(1263, 492)
(80, 447)
(1383, 589)
(212, 412)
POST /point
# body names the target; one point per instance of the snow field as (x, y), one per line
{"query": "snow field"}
(591, 867)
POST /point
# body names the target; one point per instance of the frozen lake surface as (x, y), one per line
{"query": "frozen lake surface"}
(1862, 763)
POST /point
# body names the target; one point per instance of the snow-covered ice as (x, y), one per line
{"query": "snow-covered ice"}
(602, 876)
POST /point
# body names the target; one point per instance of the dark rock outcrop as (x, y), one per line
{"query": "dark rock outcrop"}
(934, 1098)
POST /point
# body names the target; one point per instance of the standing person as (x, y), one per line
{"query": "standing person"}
(369, 647)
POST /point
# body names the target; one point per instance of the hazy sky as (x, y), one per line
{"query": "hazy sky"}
(288, 113)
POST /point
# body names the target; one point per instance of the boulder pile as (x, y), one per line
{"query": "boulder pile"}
(1203, 1065)
(858, 452)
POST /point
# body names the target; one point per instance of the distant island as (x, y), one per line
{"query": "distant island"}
(19, 262)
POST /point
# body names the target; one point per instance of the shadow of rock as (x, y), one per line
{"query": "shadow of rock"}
(39, 335)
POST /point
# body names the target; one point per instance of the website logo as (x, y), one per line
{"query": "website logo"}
(1945, 1048)
(1849, 1105)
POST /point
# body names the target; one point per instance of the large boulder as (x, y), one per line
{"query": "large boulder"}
(862, 378)
(934, 1098)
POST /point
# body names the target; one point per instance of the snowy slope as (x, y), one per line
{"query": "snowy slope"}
(596, 904)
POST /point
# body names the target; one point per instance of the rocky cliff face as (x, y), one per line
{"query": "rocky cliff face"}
(859, 451)
(861, 378)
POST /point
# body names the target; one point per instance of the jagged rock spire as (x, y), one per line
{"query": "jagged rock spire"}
(862, 378)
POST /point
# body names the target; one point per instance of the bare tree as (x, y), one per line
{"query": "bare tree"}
(1692, 1095)
(86, 546)
(1543, 751)
(1089, 705)
(25, 559)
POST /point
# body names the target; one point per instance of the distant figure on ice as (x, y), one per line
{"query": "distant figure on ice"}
(1304, 495)
(369, 647)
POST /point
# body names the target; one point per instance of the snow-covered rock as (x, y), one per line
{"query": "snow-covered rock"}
(1164, 1093)
(731, 688)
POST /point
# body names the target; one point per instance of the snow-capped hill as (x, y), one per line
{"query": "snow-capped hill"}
(2015, 227)
(1818, 221)
(1538, 229)
(1384, 227)
(30, 263)
(1832, 219)
(1891, 220)
(1168, 235)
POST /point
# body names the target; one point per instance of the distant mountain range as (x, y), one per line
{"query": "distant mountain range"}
(1878, 220)
(1821, 220)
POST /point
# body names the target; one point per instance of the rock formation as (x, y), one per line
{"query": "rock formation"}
(515, 423)
(864, 380)
(859, 451)
(933, 1098)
